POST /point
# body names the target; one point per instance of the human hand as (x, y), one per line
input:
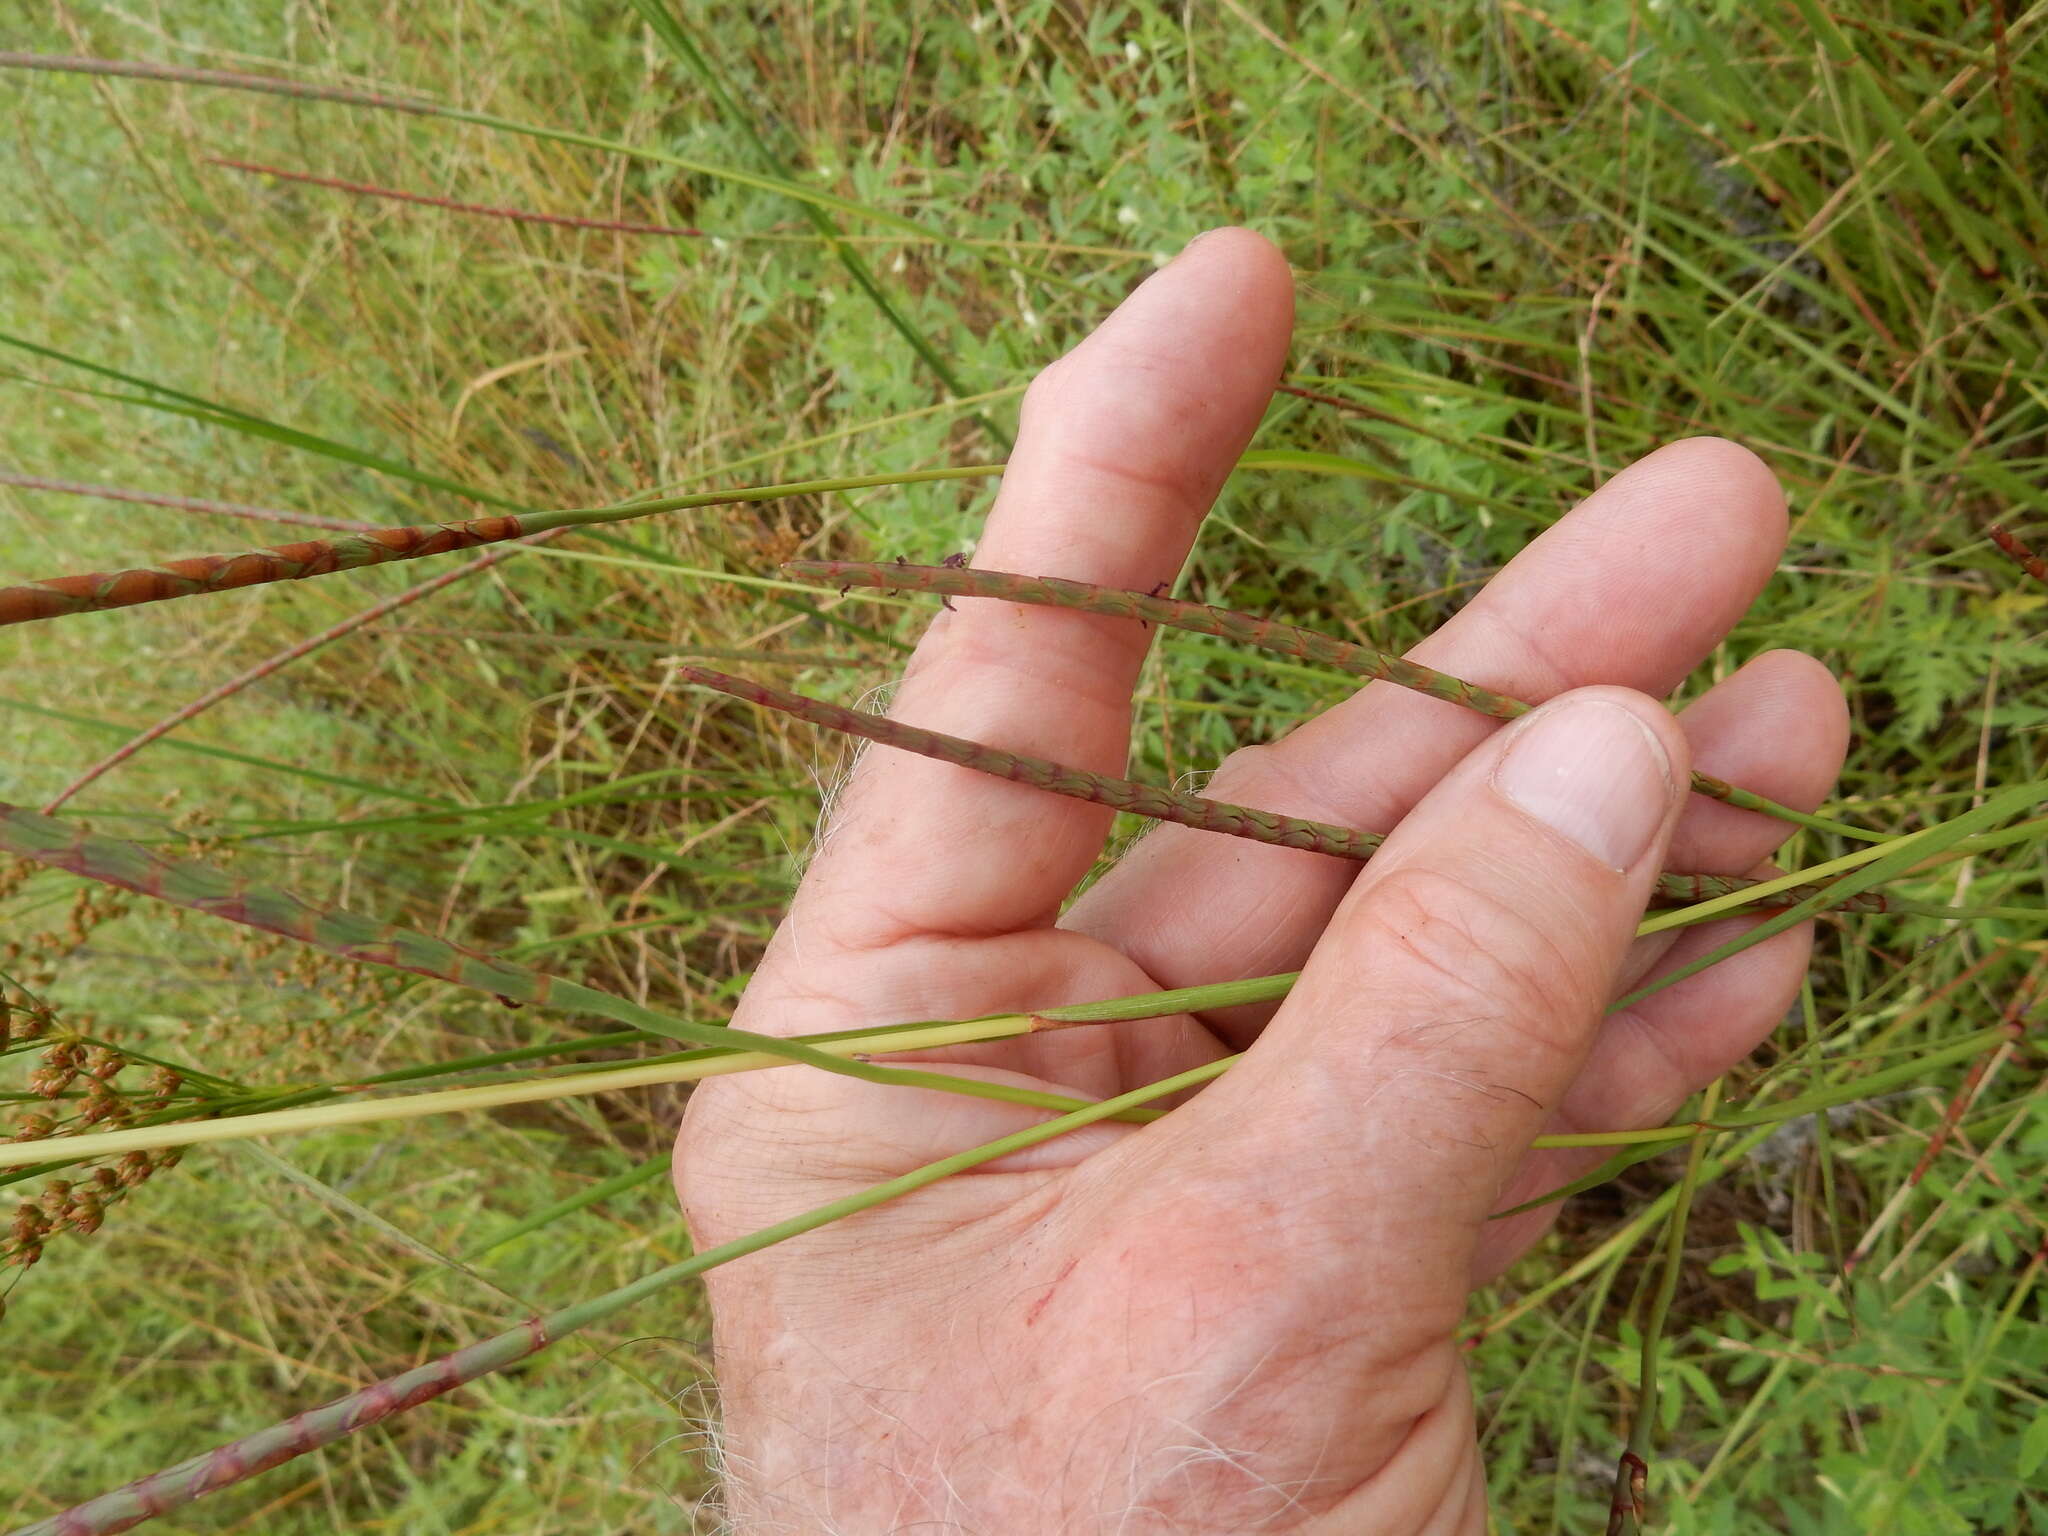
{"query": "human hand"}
(1239, 1317)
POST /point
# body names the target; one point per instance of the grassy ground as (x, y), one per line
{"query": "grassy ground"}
(1533, 241)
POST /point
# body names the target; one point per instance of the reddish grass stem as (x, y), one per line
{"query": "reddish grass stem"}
(519, 215)
(185, 503)
(1226, 624)
(1157, 803)
(2019, 553)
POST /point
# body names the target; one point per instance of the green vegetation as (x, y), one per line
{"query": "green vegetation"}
(1533, 241)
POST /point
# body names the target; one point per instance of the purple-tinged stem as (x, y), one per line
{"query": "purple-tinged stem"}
(1162, 804)
(279, 662)
(487, 210)
(283, 659)
(185, 503)
(1245, 628)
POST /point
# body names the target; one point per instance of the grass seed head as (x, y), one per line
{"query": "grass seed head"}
(86, 1212)
(58, 1072)
(26, 1242)
(103, 1105)
(22, 1021)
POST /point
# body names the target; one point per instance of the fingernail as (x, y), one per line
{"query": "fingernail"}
(1592, 771)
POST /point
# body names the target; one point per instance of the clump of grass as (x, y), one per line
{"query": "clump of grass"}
(1530, 249)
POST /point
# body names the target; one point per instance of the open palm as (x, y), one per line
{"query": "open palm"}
(1240, 1317)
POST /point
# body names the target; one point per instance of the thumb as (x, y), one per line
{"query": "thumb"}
(1453, 997)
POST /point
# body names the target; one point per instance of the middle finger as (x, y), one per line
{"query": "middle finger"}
(1633, 587)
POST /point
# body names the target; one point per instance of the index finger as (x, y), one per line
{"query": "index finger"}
(1123, 445)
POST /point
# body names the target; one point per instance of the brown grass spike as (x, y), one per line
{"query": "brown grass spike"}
(1154, 802)
(1055, 778)
(1226, 624)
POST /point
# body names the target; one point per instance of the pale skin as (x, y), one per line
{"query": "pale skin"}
(1242, 1317)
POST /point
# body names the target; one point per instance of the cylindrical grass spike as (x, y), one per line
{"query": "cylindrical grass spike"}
(1161, 804)
(99, 590)
(1675, 890)
(147, 1497)
(1055, 778)
(186, 883)
(1226, 624)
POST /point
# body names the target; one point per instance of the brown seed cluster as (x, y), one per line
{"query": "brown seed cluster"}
(77, 1078)
(77, 1206)
(82, 1072)
(33, 961)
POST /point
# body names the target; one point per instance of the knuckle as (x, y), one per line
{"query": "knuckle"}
(1042, 395)
(1479, 959)
(1267, 775)
(1244, 768)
